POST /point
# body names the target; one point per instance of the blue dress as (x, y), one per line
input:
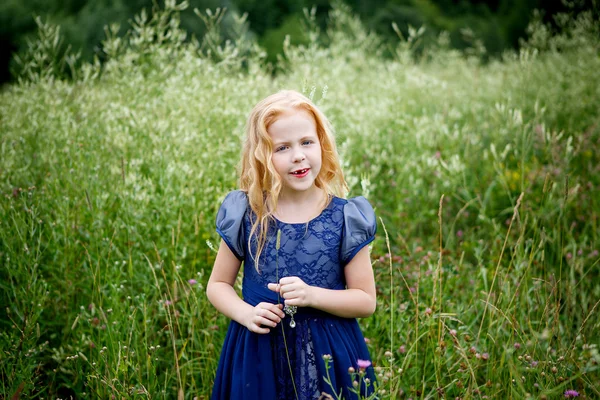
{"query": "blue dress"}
(258, 366)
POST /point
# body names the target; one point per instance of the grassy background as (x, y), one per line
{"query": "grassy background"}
(485, 177)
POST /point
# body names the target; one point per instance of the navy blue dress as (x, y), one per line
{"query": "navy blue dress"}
(258, 366)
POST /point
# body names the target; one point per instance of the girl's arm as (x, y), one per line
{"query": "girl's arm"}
(357, 301)
(223, 296)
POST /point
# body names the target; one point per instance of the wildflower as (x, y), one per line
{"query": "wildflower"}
(402, 349)
(363, 363)
(192, 282)
(473, 350)
(428, 311)
(326, 357)
(569, 256)
(517, 345)
(485, 356)
(594, 253)
(351, 370)
(168, 302)
(571, 393)
(388, 354)
(453, 332)
(459, 234)
(367, 340)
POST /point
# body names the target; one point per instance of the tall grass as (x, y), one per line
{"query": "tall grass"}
(485, 178)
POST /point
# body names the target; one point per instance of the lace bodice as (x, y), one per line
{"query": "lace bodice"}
(316, 251)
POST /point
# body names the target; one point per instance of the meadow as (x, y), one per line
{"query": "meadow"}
(485, 177)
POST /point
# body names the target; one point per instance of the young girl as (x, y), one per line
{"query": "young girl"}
(307, 271)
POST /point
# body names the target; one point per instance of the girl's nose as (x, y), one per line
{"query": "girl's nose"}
(299, 156)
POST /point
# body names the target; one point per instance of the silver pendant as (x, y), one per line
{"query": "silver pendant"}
(291, 310)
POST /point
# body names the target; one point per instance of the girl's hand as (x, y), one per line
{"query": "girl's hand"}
(263, 316)
(294, 291)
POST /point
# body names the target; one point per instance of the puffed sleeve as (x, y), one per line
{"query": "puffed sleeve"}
(360, 226)
(230, 221)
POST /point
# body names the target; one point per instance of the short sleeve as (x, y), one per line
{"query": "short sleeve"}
(230, 221)
(360, 226)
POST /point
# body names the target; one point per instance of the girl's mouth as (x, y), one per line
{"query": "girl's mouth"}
(301, 173)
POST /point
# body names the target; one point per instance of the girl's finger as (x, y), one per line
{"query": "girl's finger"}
(260, 330)
(264, 322)
(271, 316)
(287, 280)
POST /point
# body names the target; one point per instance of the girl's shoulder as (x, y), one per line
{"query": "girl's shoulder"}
(355, 206)
(360, 226)
(235, 198)
(229, 221)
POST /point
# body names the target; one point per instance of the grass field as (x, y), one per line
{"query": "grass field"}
(485, 178)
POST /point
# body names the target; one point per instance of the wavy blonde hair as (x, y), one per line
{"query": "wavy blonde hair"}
(258, 177)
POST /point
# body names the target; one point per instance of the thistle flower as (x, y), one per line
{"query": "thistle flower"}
(363, 364)
(571, 393)
(192, 282)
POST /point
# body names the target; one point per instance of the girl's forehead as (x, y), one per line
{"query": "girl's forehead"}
(294, 122)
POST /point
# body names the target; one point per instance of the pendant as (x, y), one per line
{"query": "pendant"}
(291, 310)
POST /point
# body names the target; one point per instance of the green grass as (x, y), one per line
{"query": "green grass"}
(484, 176)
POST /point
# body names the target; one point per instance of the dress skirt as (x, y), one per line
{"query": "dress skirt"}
(287, 363)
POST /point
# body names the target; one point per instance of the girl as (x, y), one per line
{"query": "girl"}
(307, 270)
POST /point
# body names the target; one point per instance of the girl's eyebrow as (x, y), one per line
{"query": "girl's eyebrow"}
(311, 137)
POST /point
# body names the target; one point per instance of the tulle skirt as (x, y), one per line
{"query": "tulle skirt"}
(288, 363)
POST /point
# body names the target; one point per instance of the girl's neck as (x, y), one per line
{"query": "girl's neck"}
(300, 207)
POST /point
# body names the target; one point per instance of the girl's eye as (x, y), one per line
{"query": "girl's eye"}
(280, 148)
(307, 142)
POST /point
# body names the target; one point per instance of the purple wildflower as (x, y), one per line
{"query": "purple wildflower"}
(363, 363)
(571, 393)
(517, 345)
(192, 282)
(459, 233)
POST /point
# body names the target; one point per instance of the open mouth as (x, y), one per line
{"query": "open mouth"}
(300, 172)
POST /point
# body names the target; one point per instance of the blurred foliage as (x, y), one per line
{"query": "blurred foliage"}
(486, 177)
(494, 25)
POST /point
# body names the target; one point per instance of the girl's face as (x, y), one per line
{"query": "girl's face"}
(296, 151)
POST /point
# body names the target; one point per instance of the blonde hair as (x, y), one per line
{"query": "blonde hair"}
(258, 177)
